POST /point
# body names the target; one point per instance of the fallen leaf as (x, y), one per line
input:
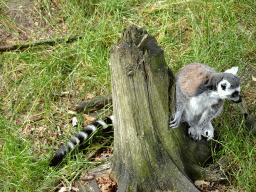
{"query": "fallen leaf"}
(90, 96)
(201, 182)
(89, 118)
(253, 78)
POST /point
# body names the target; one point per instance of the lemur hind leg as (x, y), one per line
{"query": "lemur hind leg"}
(207, 116)
(201, 126)
(204, 125)
(195, 132)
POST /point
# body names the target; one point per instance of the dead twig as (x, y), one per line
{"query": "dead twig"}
(92, 105)
(45, 42)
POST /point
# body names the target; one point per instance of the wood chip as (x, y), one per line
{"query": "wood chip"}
(87, 177)
(199, 183)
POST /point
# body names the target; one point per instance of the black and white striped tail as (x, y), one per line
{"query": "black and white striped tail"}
(80, 138)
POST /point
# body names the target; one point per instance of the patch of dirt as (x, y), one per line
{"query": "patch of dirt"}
(28, 20)
(102, 176)
(214, 186)
(98, 179)
(106, 184)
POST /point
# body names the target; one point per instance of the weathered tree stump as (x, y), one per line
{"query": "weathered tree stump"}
(148, 155)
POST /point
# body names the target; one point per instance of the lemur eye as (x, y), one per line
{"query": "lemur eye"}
(223, 86)
(235, 94)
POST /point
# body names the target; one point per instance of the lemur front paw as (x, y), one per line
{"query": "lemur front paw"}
(195, 133)
(209, 133)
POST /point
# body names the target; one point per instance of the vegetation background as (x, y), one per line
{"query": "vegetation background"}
(42, 81)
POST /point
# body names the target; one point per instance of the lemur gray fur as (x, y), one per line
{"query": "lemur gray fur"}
(199, 97)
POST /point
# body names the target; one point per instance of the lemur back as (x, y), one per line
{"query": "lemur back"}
(199, 97)
(190, 78)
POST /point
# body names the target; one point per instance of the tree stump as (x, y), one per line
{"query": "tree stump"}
(148, 155)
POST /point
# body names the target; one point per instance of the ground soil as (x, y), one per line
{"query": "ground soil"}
(27, 21)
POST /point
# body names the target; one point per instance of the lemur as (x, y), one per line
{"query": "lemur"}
(199, 97)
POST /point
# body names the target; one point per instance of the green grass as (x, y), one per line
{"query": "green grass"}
(219, 33)
(238, 145)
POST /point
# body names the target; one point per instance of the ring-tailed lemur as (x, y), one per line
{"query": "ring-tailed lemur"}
(106, 124)
(200, 94)
(199, 97)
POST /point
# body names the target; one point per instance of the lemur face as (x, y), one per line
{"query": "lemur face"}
(226, 91)
(229, 87)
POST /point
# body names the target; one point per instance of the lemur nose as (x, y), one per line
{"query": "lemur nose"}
(239, 100)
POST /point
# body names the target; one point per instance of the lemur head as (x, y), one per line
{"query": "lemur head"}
(229, 86)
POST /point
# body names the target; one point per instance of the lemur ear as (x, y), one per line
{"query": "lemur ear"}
(233, 70)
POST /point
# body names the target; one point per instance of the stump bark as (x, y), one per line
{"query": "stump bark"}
(148, 155)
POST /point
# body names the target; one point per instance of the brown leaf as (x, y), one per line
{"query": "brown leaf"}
(36, 118)
(199, 183)
(89, 119)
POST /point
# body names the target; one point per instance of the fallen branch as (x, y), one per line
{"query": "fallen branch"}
(45, 42)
